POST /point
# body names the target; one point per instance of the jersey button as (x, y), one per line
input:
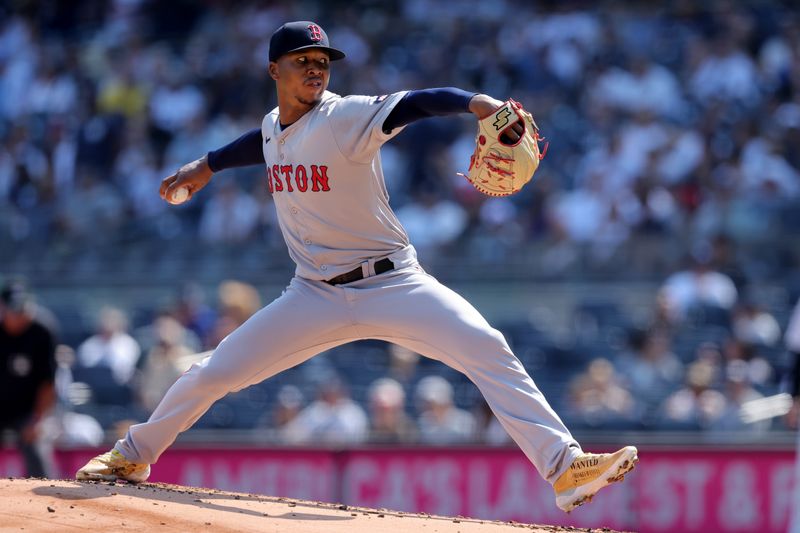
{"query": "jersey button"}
(324, 267)
(281, 156)
(307, 241)
(294, 210)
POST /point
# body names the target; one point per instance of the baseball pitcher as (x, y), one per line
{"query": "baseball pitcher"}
(357, 274)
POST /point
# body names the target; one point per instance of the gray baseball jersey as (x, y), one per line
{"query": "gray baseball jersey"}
(325, 175)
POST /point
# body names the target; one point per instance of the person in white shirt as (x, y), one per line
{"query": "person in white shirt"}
(334, 418)
(111, 346)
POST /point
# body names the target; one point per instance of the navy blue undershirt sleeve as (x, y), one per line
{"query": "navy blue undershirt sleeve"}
(415, 105)
(243, 152)
(427, 103)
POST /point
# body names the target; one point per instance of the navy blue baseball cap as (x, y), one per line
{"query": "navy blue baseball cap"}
(300, 35)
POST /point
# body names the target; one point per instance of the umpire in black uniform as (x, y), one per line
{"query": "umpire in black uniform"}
(27, 373)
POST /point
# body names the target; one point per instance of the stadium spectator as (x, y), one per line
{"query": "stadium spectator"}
(111, 347)
(431, 220)
(230, 216)
(93, 204)
(19, 52)
(753, 324)
(596, 398)
(122, 94)
(578, 215)
(699, 285)
(747, 358)
(333, 418)
(766, 174)
(403, 364)
(697, 405)
(440, 421)
(53, 90)
(237, 302)
(643, 86)
(66, 426)
(725, 72)
(175, 103)
(388, 421)
(288, 403)
(194, 314)
(738, 391)
(649, 369)
(711, 352)
(724, 257)
(197, 135)
(136, 172)
(164, 362)
(777, 54)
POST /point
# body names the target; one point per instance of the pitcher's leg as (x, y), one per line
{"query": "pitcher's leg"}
(427, 317)
(513, 397)
(301, 323)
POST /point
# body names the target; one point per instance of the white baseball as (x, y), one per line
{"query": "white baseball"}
(180, 195)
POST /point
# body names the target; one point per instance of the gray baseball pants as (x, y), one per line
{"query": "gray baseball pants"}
(405, 306)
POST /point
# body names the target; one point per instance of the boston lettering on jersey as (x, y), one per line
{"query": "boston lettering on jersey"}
(297, 177)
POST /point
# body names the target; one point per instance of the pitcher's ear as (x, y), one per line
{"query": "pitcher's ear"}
(273, 70)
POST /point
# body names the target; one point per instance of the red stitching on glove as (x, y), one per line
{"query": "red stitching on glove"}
(494, 157)
(500, 171)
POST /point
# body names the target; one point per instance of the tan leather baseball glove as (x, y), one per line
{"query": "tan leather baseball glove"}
(500, 167)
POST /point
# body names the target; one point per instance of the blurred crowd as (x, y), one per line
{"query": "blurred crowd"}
(674, 125)
(674, 131)
(700, 364)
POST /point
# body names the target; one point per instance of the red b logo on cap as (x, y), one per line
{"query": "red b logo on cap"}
(316, 32)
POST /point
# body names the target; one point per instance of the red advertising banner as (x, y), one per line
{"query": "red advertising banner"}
(671, 490)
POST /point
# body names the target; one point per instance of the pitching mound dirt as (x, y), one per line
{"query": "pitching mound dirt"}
(64, 505)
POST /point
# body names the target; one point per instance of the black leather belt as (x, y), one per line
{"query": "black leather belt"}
(384, 265)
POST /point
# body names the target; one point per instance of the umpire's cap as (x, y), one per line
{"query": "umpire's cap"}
(14, 296)
(299, 35)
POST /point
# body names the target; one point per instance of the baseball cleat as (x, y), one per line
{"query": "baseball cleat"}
(112, 466)
(589, 473)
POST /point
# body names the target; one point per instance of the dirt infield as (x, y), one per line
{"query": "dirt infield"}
(64, 505)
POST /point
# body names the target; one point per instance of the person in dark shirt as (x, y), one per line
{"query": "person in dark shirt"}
(27, 372)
